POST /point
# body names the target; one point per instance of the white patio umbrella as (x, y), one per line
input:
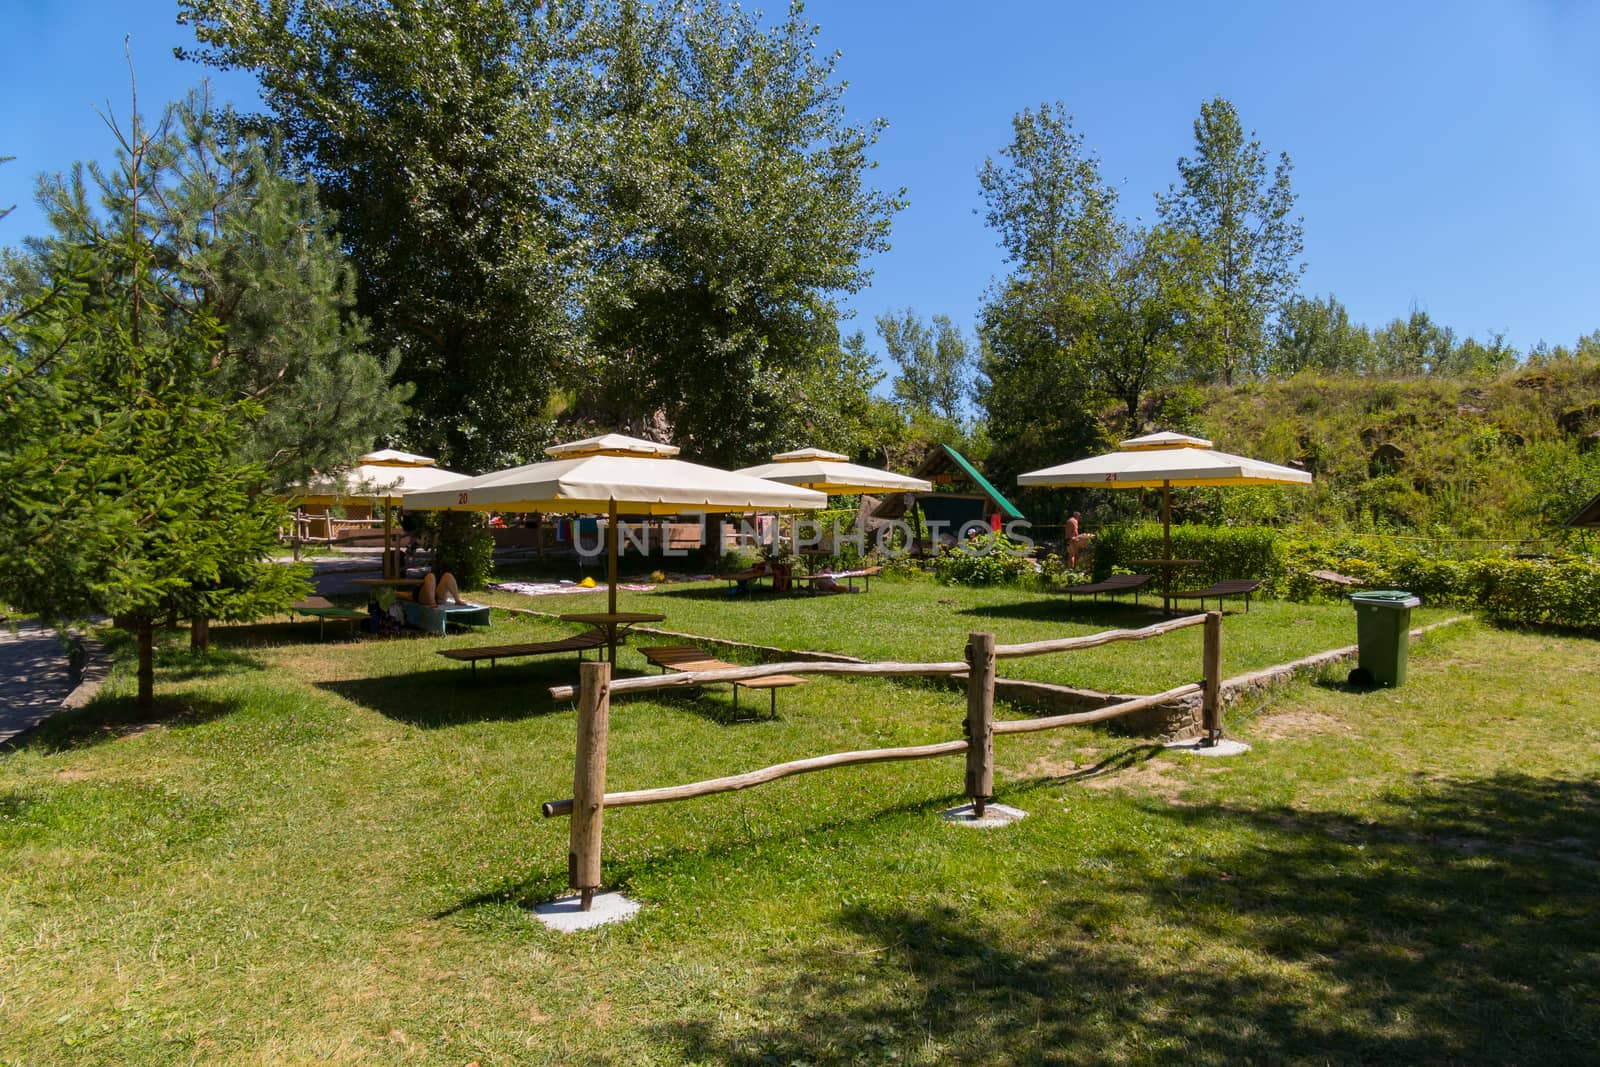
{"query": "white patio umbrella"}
(386, 475)
(610, 474)
(833, 473)
(1161, 461)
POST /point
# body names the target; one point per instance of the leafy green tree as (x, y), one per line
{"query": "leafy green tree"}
(1034, 393)
(1315, 333)
(1479, 357)
(1141, 313)
(645, 210)
(1055, 219)
(837, 407)
(237, 236)
(1227, 201)
(1412, 346)
(126, 493)
(448, 139)
(735, 196)
(936, 363)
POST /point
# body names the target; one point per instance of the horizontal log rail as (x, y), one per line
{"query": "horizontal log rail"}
(1105, 637)
(589, 798)
(1110, 711)
(734, 782)
(684, 679)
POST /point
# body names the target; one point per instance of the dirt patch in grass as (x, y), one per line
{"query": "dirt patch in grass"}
(1151, 777)
(1298, 722)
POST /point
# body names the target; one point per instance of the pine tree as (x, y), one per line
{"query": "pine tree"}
(127, 490)
(236, 235)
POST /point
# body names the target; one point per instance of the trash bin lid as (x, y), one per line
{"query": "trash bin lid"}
(1389, 598)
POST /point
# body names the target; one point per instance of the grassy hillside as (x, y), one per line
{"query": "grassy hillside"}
(1512, 456)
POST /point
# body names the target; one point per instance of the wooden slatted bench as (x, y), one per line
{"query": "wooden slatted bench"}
(1232, 587)
(1117, 583)
(1335, 578)
(579, 643)
(694, 658)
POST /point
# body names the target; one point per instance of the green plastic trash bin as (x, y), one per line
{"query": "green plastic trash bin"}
(1383, 634)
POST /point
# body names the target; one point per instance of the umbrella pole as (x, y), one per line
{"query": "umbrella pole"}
(389, 569)
(611, 581)
(611, 557)
(1166, 520)
(1166, 545)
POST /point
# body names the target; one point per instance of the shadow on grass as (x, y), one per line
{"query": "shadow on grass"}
(295, 632)
(452, 696)
(176, 664)
(539, 886)
(1081, 612)
(1460, 927)
(722, 594)
(109, 718)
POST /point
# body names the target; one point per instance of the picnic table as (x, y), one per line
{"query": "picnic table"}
(613, 624)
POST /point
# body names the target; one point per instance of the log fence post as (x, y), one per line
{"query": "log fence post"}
(980, 721)
(1211, 695)
(589, 779)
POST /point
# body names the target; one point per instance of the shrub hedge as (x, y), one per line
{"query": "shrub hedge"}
(1223, 551)
(1559, 591)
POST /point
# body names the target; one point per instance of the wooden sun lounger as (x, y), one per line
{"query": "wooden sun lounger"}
(323, 609)
(1233, 587)
(780, 575)
(1117, 583)
(866, 574)
(1335, 578)
(578, 643)
(694, 658)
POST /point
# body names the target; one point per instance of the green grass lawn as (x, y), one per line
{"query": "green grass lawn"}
(325, 852)
(921, 620)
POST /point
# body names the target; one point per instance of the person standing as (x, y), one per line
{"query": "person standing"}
(1072, 540)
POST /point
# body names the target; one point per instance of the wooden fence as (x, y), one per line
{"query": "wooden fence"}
(596, 687)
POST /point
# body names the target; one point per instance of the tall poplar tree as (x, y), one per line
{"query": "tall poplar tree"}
(1055, 219)
(936, 364)
(1226, 199)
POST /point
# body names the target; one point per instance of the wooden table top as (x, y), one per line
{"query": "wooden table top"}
(603, 618)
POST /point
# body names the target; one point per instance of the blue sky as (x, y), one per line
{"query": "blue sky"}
(1445, 155)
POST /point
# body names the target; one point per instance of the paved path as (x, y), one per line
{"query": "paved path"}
(34, 678)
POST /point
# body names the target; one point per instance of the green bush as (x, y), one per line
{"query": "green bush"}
(1557, 592)
(987, 559)
(738, 559)
(1224, 552)
(462, 545)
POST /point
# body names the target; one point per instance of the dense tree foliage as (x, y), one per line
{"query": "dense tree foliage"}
(126, 488)
(1227, 202)
(1055, 218)
(605, 209)
(935, 362)
(238, 236)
